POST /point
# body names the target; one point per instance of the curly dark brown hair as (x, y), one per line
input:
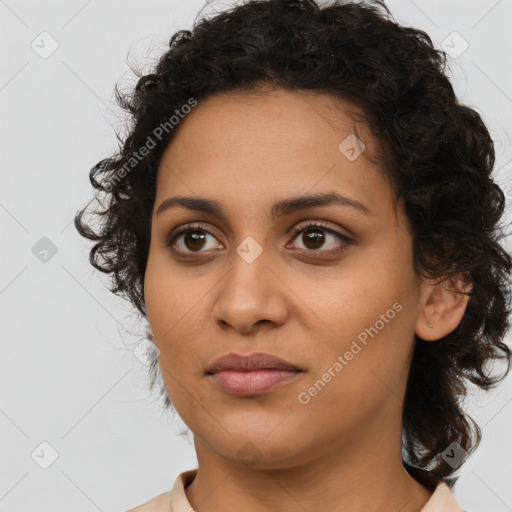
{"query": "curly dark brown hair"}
(438, 156)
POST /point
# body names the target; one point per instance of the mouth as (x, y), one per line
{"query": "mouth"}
(251, 375)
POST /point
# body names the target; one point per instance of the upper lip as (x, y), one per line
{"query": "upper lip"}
(258, 361)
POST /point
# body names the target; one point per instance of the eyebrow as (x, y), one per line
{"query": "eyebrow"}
(279, 209)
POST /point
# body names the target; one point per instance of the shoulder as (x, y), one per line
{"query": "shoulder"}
(174, 499)
(442, 500)
(160, 503)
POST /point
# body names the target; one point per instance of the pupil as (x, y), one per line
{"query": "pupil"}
(316, 237)
(193, 239)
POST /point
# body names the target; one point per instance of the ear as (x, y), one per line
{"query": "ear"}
(443, 307)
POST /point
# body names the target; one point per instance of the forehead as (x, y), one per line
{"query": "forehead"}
(294, 117)
(272, 143)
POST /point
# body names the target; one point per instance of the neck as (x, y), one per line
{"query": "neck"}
(339, 479)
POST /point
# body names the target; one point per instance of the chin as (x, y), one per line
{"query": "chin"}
(265, 452)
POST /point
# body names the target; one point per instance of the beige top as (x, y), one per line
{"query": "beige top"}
(442, 499)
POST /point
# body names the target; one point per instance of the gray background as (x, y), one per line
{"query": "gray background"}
(68, 375)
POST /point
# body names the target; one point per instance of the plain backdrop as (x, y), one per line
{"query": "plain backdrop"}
(73, 394)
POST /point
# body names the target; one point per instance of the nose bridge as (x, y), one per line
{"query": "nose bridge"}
(248, 275)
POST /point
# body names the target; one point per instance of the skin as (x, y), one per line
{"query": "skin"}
(342, 450)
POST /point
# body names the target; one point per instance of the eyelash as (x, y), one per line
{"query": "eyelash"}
(197, 228)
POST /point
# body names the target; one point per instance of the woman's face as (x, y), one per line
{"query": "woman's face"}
(342, 309)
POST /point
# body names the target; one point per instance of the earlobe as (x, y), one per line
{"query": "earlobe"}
(443, 308)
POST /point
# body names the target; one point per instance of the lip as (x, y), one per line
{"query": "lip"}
(252, 382)
(256, 361)
(251, 375)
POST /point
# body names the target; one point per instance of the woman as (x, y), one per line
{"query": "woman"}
(306, 218)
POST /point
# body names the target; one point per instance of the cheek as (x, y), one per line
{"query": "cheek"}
(165, 308)
(176, 309)
(370, 320)
(165, 294)
(361, 371)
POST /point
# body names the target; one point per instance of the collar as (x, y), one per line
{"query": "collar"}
(179, 500)
(442, 500)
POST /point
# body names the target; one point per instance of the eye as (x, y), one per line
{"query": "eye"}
(193, 238)
(314, 236)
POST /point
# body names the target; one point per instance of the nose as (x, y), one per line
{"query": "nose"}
(251, 297)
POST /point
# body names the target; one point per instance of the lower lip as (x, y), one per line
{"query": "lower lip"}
(253, 382)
